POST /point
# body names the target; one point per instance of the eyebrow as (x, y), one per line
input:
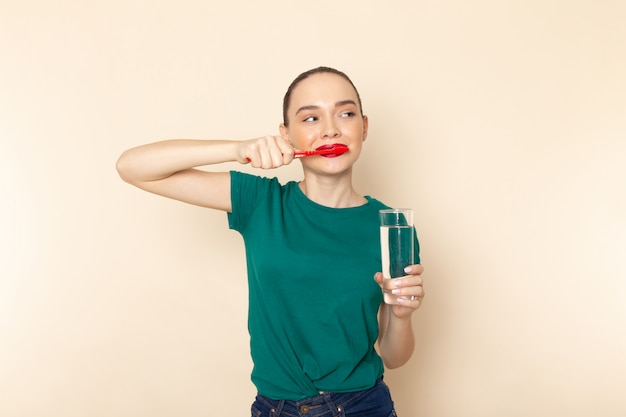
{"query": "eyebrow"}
(337, 104)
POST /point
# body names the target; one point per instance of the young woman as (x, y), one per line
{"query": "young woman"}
(312, 251)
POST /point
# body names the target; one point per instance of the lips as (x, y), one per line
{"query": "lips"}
(331, 146)
(332, 150)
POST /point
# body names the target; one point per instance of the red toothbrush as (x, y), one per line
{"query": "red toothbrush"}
(334, 150)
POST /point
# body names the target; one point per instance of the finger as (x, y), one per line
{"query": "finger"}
(254, 157)
(412, 300)
(407, 281)
(275, 152)
(255, 152)
(378, 277)
(416, 269)
(415, 291)
(264, 153)
(286, 148)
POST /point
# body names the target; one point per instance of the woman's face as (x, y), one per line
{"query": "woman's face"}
(324, 110)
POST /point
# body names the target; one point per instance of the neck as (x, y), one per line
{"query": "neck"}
(331, 192)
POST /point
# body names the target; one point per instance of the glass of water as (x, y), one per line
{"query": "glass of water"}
(396, 243)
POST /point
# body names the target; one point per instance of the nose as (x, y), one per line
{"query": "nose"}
(330, 130)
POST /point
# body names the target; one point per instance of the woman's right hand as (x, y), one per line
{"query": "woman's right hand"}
(266, 152)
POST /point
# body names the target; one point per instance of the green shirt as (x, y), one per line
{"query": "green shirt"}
(313, 301)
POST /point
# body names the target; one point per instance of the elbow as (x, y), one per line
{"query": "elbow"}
(395, 356)
(393, 364)
(123, 168)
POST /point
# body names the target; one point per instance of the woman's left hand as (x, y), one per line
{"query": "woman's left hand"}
(409, 289)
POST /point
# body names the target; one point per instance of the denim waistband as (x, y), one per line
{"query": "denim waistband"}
(325, 404)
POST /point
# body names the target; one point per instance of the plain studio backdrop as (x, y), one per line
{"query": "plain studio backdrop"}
(502, 123)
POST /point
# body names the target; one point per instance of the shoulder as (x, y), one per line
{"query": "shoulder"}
(243, 178)
(247, 189)
(377, 204)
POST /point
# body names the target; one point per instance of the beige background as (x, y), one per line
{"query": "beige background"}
(501, 122)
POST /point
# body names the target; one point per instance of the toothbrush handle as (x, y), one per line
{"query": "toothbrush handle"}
(302, 154)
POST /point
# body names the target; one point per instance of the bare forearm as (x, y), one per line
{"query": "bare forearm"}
(159, 160)
(396, 342)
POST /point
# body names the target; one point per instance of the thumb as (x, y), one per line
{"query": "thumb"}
(378, 277)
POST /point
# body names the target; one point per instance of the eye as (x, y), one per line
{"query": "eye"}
(310, 119)
(347, 114)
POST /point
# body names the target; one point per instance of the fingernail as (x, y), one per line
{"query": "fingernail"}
(396, 291)
(407, 269)
(397, 282)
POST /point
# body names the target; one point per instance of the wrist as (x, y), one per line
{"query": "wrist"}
(402, 320)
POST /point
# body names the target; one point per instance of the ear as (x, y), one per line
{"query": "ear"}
(365, 127)
(284, 132)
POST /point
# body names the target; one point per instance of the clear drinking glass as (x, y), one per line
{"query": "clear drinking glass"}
(396, 243)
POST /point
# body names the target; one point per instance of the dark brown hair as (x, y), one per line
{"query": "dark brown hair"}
(307, 74)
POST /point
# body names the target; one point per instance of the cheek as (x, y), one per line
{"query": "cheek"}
(302, 135)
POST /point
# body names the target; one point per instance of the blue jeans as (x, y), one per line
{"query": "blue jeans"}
(374, 402)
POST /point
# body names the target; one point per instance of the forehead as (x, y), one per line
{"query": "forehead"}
(322, 88)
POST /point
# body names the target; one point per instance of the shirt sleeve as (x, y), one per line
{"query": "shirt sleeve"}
(246, 192)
